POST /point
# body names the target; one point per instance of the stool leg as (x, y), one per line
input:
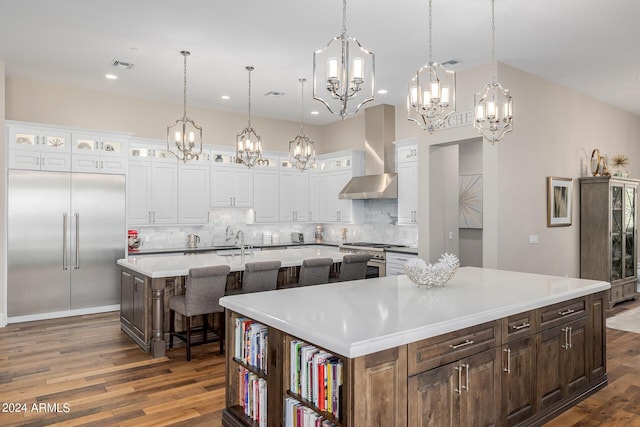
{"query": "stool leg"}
(188, 319)
(205, 322)
(172, 328)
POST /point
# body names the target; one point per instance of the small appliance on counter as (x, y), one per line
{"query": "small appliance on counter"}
(267, 238)
(192, 241)
(133, 240)
(318, 234)
(297, 237)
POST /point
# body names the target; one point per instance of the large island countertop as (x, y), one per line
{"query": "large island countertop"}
(179, 265)
(366, 316)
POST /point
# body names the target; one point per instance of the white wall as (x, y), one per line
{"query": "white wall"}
(3, 198)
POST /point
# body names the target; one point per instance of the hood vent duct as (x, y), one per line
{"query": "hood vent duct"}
(380, 181)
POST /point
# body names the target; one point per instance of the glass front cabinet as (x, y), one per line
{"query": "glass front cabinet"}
(608, 246)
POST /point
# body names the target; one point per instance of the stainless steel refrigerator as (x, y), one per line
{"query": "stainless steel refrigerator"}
(65, 233)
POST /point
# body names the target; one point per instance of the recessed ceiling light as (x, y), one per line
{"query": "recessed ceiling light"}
(225, 97)
(110, 76)
(315, 113)
(383, 91)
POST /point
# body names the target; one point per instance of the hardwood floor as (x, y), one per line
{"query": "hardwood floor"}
(97, 376)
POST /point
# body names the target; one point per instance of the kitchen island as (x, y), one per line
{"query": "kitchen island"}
(491, 348)
(146, 283)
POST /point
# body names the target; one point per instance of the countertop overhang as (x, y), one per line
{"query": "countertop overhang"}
(362, 317)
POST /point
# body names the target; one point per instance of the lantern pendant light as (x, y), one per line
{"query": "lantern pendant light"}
(302, 153)
(248, 142)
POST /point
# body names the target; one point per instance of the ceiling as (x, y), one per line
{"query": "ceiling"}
(592, 46)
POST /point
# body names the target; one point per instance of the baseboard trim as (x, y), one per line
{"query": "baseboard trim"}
(3, 320)
(66, 313)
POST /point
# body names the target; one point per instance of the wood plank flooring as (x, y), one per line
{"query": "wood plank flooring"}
(83, 371)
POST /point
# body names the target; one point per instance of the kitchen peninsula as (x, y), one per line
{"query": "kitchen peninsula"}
(147, 283)
(491, 348)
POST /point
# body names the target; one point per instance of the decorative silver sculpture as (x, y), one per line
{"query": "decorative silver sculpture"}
(436, 275)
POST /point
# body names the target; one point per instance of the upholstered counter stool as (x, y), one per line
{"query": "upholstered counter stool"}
(203, 290)
(314, 271)
(354, 267)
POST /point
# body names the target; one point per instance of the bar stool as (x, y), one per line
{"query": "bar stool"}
(314, 271)
(203, 290)
(354, 267)
(260, 276)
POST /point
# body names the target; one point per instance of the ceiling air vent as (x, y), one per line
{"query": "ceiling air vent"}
(275, 93)
(122, 65)
(450, 63)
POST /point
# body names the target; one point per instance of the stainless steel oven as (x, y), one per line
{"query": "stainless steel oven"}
(376, 267)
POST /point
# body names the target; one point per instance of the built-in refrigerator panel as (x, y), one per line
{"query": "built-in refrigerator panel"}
(65, 233)
(98, 238)
(38, 275)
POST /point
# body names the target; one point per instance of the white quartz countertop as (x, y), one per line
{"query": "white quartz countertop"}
(179, 265)
(365, 316)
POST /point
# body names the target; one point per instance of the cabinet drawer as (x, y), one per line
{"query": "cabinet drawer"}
(616, 293)
(437, 351)
(629, 289)
(562, 312)
(518, 326)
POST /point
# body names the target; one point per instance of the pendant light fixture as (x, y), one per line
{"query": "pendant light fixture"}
(432, 93)
(493, 105)
(344, 72)
(302, 153)
(183, 134)
(248, 142)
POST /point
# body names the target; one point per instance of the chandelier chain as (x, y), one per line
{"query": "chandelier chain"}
(185, 54)
(302, 104)
(430, 25)
(249, 110)
(344, 16)
(494, 63)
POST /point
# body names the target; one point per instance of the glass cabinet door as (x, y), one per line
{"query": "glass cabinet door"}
(630, 231)
(616, 231)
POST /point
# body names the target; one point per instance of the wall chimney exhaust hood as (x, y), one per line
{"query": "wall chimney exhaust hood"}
(380, 181)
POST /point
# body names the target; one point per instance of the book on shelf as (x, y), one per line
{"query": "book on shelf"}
(251, 340)
(252, 396)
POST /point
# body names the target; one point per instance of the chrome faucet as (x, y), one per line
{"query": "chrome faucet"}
(240, 239)
(228, 235)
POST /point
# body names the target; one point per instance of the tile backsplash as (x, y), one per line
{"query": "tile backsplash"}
(379, 226)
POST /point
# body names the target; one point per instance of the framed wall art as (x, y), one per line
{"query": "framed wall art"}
(559, 201)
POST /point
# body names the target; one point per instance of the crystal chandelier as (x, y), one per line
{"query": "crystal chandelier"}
(248, 142)
(302, 153)
(343, 77)
(493, 105)
(183, 140)
(432, 93)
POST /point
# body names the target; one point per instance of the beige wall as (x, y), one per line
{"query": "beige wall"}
(39, 102)
(347, 134)
(555, 130)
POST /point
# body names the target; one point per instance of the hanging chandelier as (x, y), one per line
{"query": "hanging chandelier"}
(302, 153)
(183, 140)
(431, 97)
(493, 105)
(248, 142)
(341, 77)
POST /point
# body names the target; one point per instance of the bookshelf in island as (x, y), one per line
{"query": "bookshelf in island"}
(491, 348)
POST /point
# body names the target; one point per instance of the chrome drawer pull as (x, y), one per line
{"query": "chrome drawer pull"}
(462, 344)
(466, 387)
(569, 311)
(521, 326)
(459, 389)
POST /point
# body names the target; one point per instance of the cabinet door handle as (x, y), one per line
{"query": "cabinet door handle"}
(459, 389)
(564, 313)
(566, 338)
(97, 167)
(508, 368)
(523, 325)
(462, 344)
(466, 377)
(149, 216)
(570, 338)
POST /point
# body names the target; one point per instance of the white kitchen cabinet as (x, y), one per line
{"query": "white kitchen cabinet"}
(316, 191)
(193, 191)
(294, 194)
(337, 170)
(395, 262)
(38, 148)
(266, 194)
(231, 186)
(98, 153)
(407, 168)
(152, 186)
